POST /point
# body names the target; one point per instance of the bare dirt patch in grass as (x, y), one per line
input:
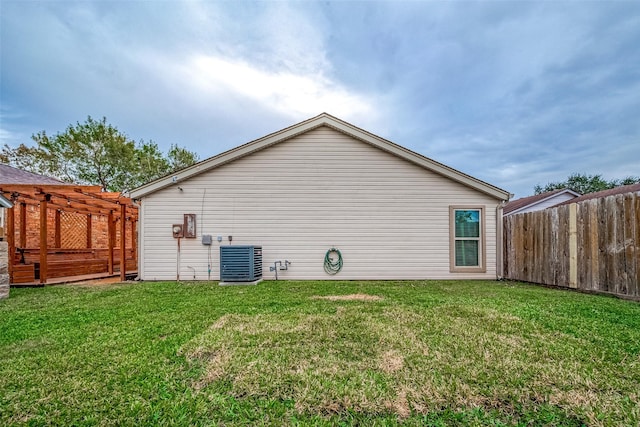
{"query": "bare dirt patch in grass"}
(391, 362)
(215, 367)
(352, 297)
(97, 282)
(220, 323)
(400, 361)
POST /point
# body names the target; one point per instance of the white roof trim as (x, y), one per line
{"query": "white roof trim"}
(565, 191)
(323, 119)
(5, 203)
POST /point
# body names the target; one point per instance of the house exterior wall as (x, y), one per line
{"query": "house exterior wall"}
(303, 196)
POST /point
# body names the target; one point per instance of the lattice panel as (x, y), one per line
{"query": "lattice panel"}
(73, 230)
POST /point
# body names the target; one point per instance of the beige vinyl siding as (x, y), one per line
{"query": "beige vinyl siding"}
(299, 198)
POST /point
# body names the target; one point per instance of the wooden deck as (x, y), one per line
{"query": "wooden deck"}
(75, 279)
(65, 263)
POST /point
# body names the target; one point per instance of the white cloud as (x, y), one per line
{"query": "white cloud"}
(11, 135)
(7, 137)
(289, 93)
(278, 64)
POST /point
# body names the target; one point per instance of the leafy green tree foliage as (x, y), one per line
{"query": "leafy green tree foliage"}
(583, 183)
(180, 157)
(95, 152)
(151, 162)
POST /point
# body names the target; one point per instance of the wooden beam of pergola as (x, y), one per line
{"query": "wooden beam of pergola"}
(123, 243)
(75, 207)
(109, 197)
(89, 206)
(79, 198)
(73, 200)
(79, 193)
(43, 239)
(73, 196)
(103, 195)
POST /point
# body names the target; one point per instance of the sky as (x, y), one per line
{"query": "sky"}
(514, 93)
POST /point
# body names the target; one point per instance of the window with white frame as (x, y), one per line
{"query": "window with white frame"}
(467, 246)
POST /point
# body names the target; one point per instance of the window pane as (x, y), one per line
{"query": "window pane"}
(468, 223)
(467, 253)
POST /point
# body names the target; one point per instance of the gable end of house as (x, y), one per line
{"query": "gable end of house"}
(336, 124)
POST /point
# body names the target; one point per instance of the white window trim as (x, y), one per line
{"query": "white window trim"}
(482, 250)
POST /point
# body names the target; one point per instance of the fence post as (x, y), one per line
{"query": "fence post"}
(573, 246)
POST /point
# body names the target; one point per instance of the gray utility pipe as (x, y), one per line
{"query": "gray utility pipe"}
(282, 267)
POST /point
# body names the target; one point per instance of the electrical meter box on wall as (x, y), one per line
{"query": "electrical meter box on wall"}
(189, 226)
(240, 264)
(207, 239)
(176, 229)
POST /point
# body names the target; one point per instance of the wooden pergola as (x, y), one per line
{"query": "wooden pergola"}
(85, 200)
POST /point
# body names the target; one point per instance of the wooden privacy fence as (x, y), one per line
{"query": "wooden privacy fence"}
(593, 245)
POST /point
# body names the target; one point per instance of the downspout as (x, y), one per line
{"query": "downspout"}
(137, 204)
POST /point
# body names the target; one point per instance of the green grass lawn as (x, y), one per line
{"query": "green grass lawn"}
(318, 353)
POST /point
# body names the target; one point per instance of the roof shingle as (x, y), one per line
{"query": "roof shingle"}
(11, 175)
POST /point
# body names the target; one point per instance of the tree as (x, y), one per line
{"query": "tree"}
(97, 153)
(180, 158)
(151, 162)
(584, 184)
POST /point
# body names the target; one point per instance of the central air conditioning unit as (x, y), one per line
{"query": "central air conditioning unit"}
(240, 264)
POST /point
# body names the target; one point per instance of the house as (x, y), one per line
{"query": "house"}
(57, 231)
(539, 201)
(623, 189)
(11, 175)
(319, 185)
